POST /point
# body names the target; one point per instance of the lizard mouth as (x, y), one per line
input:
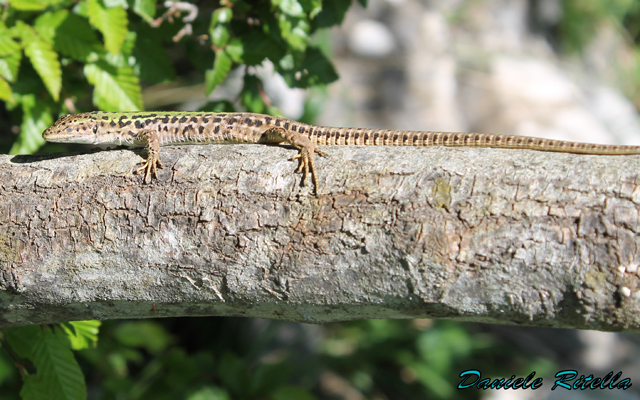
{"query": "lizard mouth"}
(47, 135)
(51, 136)
(68, 135)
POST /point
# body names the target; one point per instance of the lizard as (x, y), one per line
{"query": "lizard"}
(152, 129)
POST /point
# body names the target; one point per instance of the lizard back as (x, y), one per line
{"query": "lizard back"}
(121, 128)
(155, 129)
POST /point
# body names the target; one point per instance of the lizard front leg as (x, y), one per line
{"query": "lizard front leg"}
(150, 139)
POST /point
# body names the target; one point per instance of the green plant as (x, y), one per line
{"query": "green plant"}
(60, 56)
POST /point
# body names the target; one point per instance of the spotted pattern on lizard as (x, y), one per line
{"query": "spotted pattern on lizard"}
(155, 129)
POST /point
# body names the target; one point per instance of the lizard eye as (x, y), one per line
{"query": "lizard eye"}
(95, 129)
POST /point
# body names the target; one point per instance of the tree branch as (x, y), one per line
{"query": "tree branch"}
(501, 236)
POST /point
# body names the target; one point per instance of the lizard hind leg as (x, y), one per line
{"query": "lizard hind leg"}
(307, 165)
(306, 155)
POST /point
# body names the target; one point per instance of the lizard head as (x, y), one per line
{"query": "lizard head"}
(87, 128)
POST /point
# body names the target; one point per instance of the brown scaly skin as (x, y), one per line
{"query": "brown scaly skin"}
(154, 129)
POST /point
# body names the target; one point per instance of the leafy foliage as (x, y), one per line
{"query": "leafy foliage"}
(58, 374)
(60, 56)
(81, 334)
(233, 358)
(581, 20)
(580, 17)
(53, 372)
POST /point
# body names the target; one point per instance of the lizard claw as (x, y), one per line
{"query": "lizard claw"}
(307, 165)
(150, 168)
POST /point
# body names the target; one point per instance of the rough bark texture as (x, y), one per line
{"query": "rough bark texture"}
(501, 236)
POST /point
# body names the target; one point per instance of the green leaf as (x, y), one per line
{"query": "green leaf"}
(292, 393)
(222, 15)
(81, 334)
(47, 24)
(43, 58)
(45, 61)
(363, 3)
(253, 47)
(111, 22)
(145, 8)
(10, 56)
(219, 28)
(126, 50)
(8, 46)
(333, 12)
(151, 57)
(116, 3)
(34, 389)
(81, 9)
(294, 30)
(22, 339)
(76, 39)
(5, 91)
(291, 7)
(252, 94)
(315, 69)
(29, 5)
(59, 375)
(219, 35)
(209, 393)
(221, 67)
(146, 334)
(235, 50)
(256, 46)
(311, 7)
(115, 88)
(36, 118)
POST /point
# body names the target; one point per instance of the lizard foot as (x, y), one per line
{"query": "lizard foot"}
(150, 168)
(307, 164)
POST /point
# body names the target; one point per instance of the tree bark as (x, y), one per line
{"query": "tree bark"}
(500, 236)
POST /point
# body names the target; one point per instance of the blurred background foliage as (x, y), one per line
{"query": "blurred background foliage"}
(581, 17)
(236, 358)
(66, 56)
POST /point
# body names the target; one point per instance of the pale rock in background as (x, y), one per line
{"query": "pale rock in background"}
(475, 66)
(370, 38)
